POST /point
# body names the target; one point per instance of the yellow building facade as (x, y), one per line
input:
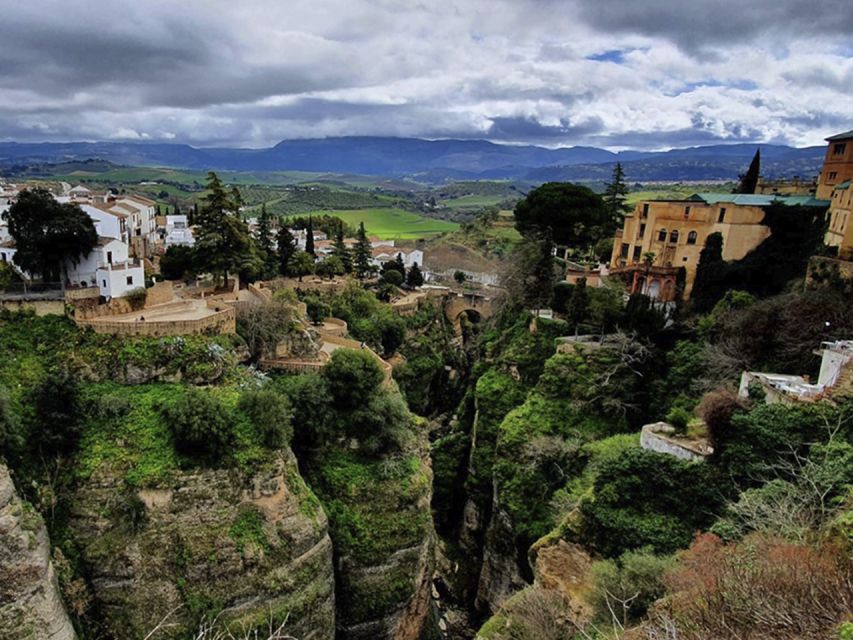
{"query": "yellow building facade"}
(836, 185)
(662, 237)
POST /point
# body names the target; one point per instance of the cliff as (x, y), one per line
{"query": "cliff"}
(251, 545)
(31, 606)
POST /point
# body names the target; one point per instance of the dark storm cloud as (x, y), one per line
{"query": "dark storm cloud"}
(710, 24)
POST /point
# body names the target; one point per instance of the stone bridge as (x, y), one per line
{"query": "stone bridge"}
(475, 305)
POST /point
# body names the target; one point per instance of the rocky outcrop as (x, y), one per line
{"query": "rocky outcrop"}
(249, 546)
(31, 606)
(563, 567)
(500, 576)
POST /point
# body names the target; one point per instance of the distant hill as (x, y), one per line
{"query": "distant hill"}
(432, 160)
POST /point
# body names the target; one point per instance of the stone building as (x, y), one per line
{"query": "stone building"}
(660, 238)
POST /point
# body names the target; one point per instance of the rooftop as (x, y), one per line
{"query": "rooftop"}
(840, 136)
(758, 200)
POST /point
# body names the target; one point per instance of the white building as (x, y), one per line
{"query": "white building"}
(108, 266)
(178, 232)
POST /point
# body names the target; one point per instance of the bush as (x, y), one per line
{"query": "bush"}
(271, 414)
(136, 297)
(264, 325)
(317, 309)
(57, 414)
(200, 424)
(679, 418)
(353, 377)
(625, 588)
(177, 262)
(393, 277)
(11, 435)
(717, 408)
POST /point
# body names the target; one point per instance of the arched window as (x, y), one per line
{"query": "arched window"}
(662, 235)
(691, 237)
(673, 237)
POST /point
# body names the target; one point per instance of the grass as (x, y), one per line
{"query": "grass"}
(474, 201)
(390, 223)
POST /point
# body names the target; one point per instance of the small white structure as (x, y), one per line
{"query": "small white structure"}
(384, 253)
(836, 358)
(178, 232)
(660, 438)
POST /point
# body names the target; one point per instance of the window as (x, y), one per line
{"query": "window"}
(684, 259)
(839, 149)
(638, 250)
(833, 175)
(109, 257)
(104, 282)
(686, 211)
(662, 235)
(722, 216)
(624, 251)
(646, 210)
(642, 231)
(673, 237)
(692, 237)
(129, 279)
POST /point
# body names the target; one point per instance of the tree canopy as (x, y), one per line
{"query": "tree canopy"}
(575, 215)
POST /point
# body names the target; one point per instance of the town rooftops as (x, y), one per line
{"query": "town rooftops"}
(140, 199)
(757, 200)
(106, 209)
(840, 136)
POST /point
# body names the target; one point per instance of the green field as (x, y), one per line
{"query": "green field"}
(388, 223)
(474, 201)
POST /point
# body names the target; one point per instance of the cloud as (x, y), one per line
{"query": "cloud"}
(649, 73)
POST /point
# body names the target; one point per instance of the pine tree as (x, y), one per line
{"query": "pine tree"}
(398, 262)
(749, 180)
(362, 253)
(341, 251)
(265, 243)
(286, 250)
(615, 196)
(415, 278)
(222, 239)
(309, 238)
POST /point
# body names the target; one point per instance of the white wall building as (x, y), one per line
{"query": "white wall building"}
(178, 232)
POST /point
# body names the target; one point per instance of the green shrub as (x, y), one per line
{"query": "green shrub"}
(11, 433)
(57, 413)
(679, 418)
(200, 424)
(136, 297)
(271, 414)
(353, 377)
(626, 587)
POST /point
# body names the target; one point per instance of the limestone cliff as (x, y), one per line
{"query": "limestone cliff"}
(254, 546)
(30, 603)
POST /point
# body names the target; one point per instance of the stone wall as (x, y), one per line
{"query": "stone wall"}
(30, 602)
(658, 437)
(40, 307)
(160, 293)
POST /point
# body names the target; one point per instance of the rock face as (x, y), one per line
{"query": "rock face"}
(499, 576)
(30, 603)
(254, 546)
(564, 567)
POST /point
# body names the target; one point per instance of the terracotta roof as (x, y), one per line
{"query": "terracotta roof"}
(106, 209)
(141, 199)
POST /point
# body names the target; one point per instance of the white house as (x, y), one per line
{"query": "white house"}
(178, 232)
(385, 253)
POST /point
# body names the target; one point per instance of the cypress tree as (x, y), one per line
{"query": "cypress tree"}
(415, 278)
(362, 254)
(749, 180)
(309, 238)
(265, 243)
(578, 304)
(615, 195)
(401, 266)
(341, 251)
(286, 250)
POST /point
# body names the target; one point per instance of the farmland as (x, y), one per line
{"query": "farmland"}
(388, 222)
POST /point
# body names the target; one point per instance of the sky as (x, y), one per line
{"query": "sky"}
(641, 74)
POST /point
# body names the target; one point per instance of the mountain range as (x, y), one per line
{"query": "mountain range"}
(434, 160)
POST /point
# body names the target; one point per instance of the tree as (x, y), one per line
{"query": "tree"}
(265, 243)
(459, 276)
(177, 262)
(11, 435)
(57, 414)
(200, 424)
(317, 309)
(286, 251)
(392, 277)
(264, 325)
(302, 264)
(615, 195)
(400, 264)
(749, 180)
(710, 270)
(330, 267)
(271, 414)
(362, 253)
(574, 215)
(341, 251)
(529, 276)
(48, 235)
(309, 238)
(222, 238)
(414, 278)
(576, 309)
(353, 377)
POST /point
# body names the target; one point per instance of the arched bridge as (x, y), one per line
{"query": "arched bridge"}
(476, 305)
